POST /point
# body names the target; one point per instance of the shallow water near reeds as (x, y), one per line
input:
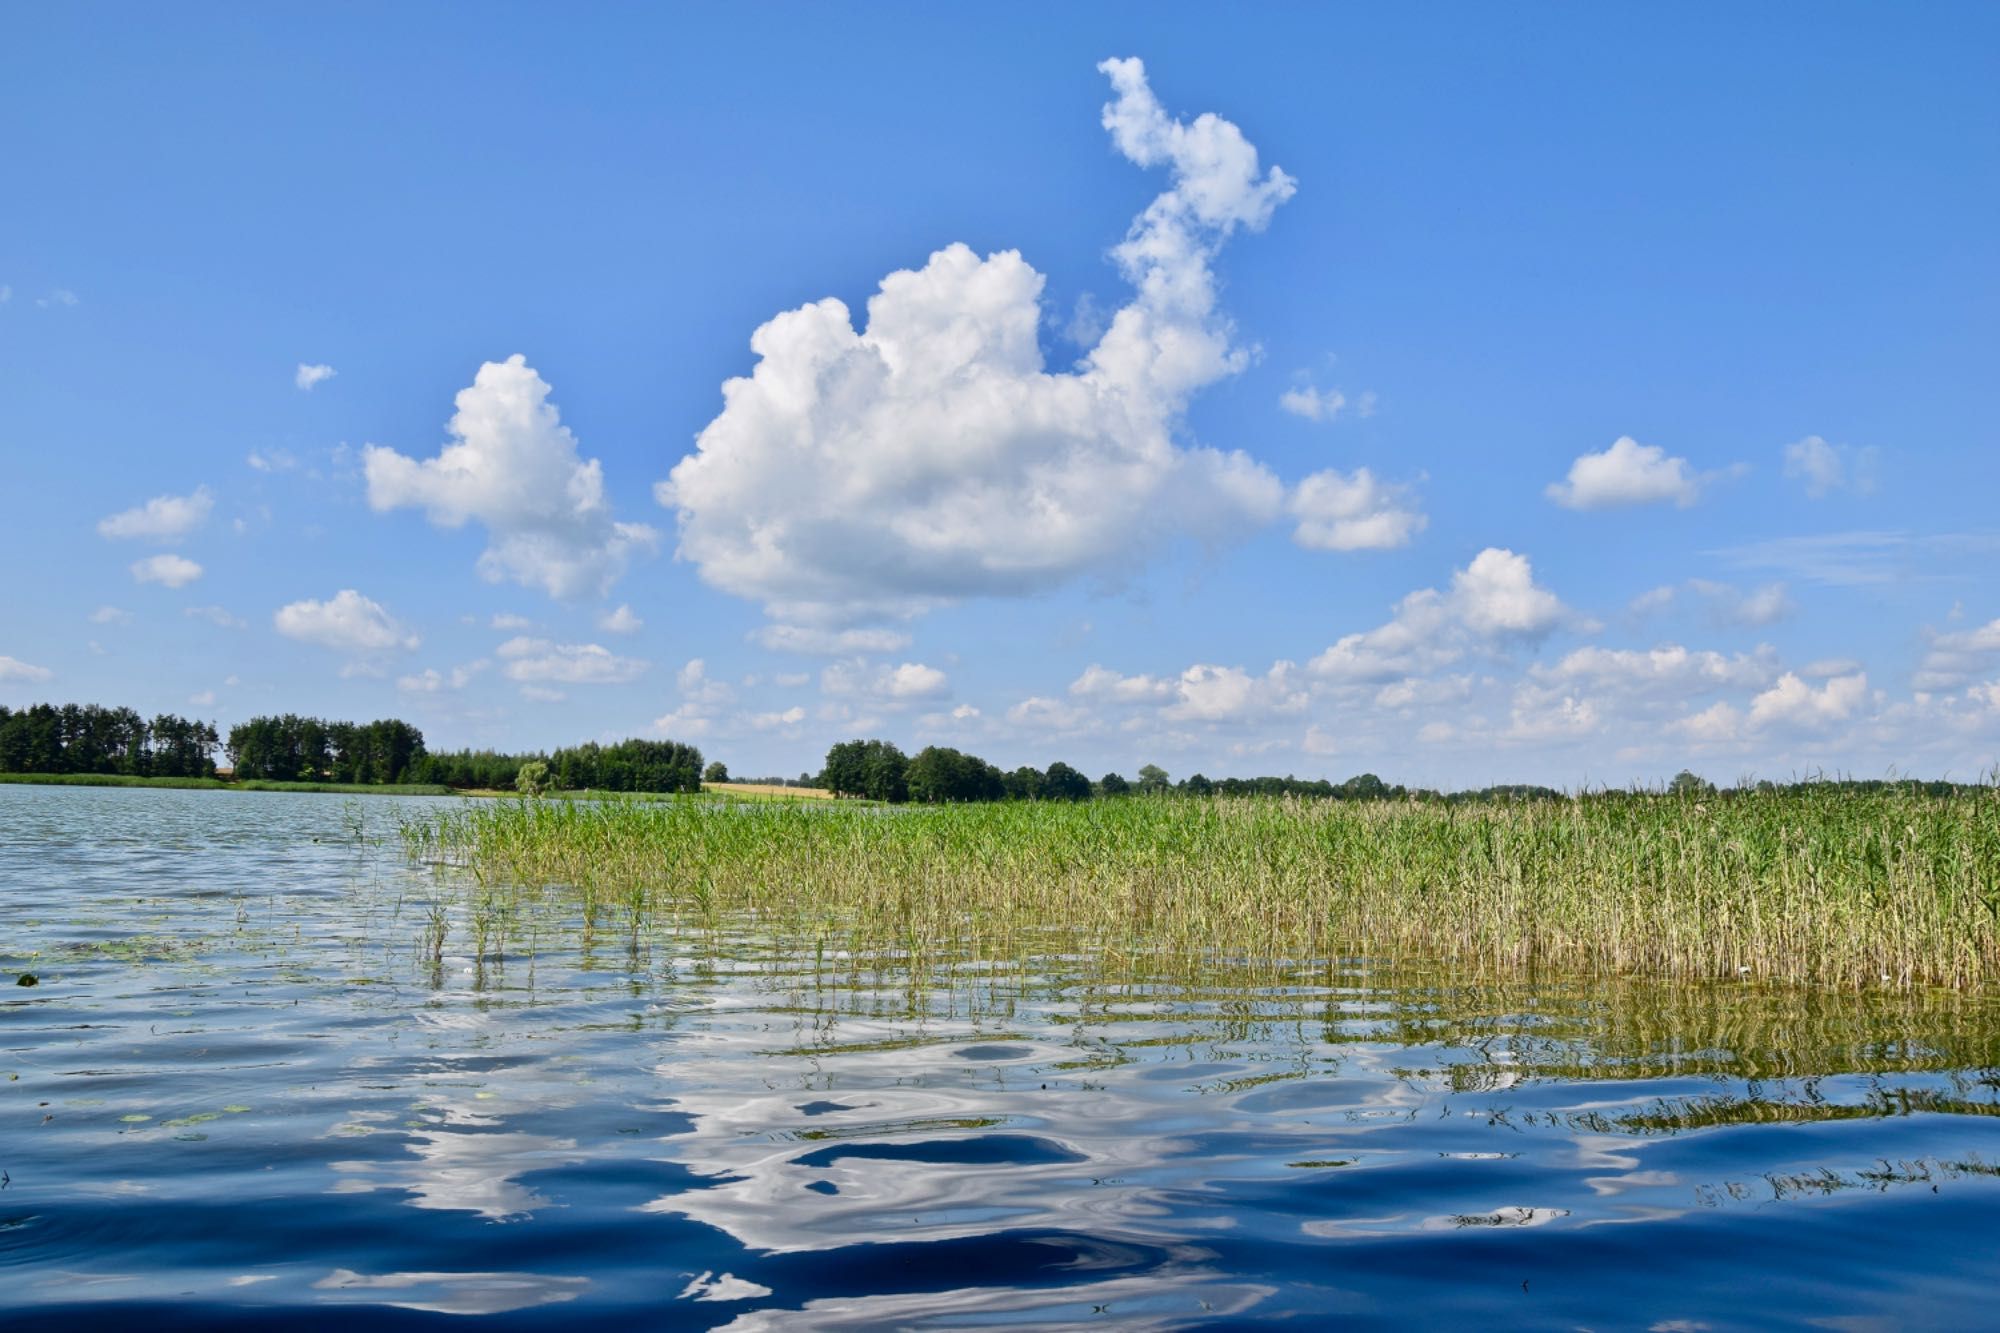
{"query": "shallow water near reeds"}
(272, 1073)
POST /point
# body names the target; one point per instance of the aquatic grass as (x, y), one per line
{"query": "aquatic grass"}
(1814, 884)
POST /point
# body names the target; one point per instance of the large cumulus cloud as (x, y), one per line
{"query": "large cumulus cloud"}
(931, 455)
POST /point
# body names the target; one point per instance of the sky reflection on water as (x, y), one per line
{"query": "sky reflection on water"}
(246, 1090)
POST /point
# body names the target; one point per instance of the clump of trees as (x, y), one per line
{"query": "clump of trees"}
(290, 748)
(89, 738)
(475, 770)
(632, 765)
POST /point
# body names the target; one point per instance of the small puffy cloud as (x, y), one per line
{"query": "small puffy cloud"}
(897, 684)
(110, 615)
(355, 626)
(541, 661)
(1099, 682)
(1496, 595)
(218, 616)
(433, 681)
(542, 694)
(13, 668)
(1230, 694)
(308, 375)
(507, 621)
(1714, 725)
(1824, 468)
(514, 467)
(174, 571)
(791, 680)
(60, 298)
(271, 460)
(1312, 404)
(1791, 702)
(812, 642)
(790, 717)
(1628, 473)
(1353, 513)
(1493, 600)
(205, 699)
(930, 455)
(163, 518)
(622, 621)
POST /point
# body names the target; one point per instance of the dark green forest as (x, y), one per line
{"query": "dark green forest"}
(86, 738)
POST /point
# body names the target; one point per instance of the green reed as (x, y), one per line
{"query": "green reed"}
(1808, 884)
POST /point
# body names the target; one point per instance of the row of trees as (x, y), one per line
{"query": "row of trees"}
(88, 738)
(290, 748)
(876, 769)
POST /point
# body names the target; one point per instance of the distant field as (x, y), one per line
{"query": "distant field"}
(769, 789)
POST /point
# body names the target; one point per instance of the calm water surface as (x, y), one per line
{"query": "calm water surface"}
(255, 1086)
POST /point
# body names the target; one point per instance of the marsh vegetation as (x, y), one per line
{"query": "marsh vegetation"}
(1823, 885)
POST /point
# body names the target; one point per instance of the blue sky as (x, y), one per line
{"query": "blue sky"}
(1464, 395)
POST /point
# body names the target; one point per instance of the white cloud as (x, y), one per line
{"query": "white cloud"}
(695, 682)
(508, 621)
(1792, 702)
(931, 456)
(1353, 513)
(791, 680)
(162, 518)
(433, 681)
(271, 460)
(1423, 692)
(348, 623)
(1098, 682)
(1669, 670)
(1628, 473)
(829, 643)
(791, 717)
(205, 699)
(1954, 658)
(1492, 600)
(1039, 713)
(308, 375)
(514, 467)
(1716, 724)
(61, 296)
(622, 621)
(1551, 715)
(216, 615)
(1825, 468)
(897, 684)
(110, 615)
(1312, 404)
(542, 694)
(528, 660)
(172, 570)
(13, 668)
(1230, 694)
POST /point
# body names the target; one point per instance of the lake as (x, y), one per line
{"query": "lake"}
(274, 1073)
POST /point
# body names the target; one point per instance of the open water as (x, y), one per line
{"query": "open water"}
(255, 1086)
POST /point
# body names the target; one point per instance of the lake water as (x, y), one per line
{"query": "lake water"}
(255, 1086)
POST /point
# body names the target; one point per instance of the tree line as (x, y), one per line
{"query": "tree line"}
(89, 738)
(878, 770)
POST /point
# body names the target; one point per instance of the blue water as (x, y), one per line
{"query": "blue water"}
(251, 1089)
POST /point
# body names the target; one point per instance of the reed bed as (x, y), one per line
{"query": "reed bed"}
(1828, 886)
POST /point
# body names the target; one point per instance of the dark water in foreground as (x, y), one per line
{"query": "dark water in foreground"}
(250, 1090)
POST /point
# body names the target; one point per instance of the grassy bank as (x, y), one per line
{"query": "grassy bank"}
(218, 784)
(1798, 884)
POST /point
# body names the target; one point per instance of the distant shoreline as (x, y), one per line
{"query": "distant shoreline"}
(742, 791)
